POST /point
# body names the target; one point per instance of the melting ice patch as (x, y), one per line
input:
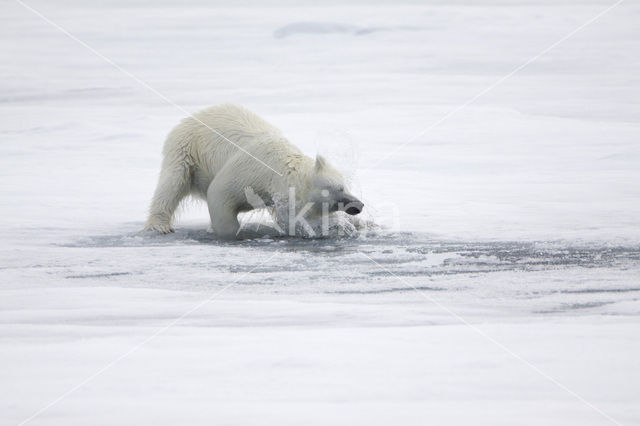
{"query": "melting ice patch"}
(332, 28)
(313, 28)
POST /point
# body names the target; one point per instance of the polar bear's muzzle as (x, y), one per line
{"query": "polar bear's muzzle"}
(351, 206)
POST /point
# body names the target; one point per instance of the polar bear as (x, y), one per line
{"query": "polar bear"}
(223, 152)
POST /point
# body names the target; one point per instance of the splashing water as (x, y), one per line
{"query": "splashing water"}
(276, 221)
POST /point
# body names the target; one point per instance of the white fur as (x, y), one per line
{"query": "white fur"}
(200, 162)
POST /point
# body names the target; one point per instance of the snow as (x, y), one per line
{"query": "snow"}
(516, 219)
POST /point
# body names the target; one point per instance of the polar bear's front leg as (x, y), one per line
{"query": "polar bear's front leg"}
(223, 209)
(224, 222)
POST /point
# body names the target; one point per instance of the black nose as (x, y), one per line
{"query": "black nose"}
(354, 208)
(353, 211)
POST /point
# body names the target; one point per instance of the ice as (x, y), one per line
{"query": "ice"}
(501, 285)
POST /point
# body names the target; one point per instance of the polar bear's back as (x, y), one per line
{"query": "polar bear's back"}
(215, 133)
(212, 138)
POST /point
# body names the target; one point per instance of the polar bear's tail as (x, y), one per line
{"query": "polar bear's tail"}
(173, 185)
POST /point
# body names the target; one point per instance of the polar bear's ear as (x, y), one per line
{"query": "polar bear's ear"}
(320, 162)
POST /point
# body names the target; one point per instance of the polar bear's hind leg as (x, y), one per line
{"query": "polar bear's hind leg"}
(173, 185)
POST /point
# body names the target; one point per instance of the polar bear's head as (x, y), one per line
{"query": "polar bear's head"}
(327, 190)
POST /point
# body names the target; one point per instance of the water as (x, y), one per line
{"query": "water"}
(515, 278)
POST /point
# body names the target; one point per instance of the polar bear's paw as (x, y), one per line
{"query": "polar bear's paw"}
(160, 227)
